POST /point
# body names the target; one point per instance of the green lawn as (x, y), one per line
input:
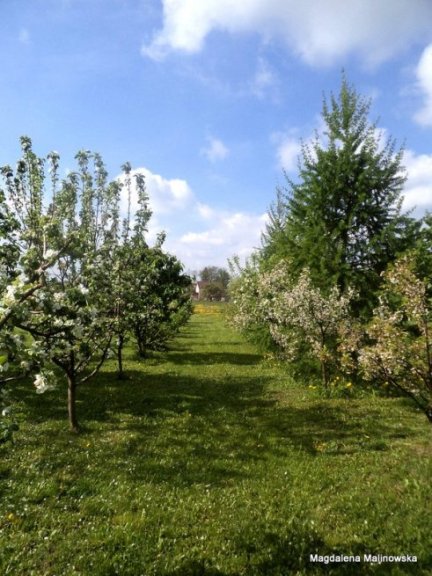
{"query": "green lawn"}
(211, 462)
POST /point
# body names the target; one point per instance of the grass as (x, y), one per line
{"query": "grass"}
(210, 462)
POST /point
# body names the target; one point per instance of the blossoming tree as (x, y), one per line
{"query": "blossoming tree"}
(300, 314)
(27, 254)
(73, 277)
(400, 335)
(68, 316)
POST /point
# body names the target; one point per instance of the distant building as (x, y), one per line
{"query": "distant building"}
(197, 289)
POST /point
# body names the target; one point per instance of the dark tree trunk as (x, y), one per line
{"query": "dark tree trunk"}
(142, 343)
(142, 349)
(324, 375)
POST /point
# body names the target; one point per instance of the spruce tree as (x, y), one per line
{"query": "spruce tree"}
(343, 216)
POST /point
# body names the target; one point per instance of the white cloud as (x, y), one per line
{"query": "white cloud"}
(265, 78)
(215, 150)
(320, 32)
(205, 211)
(166, 196)
(199, 234)
(228, 234)
(287, 152)
(289, 144)
(424, 80)
(418, 189)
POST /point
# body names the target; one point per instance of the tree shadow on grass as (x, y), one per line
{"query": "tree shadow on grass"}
(266, 552)
(187, 430)
(206, 358)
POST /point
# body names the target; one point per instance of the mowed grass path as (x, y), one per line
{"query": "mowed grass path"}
(210, 462)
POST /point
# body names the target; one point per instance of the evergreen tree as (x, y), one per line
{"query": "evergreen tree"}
(343, 218)
(273, 238)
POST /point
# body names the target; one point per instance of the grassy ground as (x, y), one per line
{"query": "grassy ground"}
(209, 462)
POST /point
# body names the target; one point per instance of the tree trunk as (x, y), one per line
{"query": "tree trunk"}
(120, 343)
(73, 421)
(142, 350)
(141, 341)
(324, 375)
(428, 412)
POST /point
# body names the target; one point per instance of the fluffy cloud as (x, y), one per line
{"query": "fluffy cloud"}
(227, 234)
(215, 150)
(424, 79)
(197, 233)
(288, 151)
(166, 196)
(418, 189)
(320, 32)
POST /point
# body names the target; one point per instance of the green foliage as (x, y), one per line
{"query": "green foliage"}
(343, 219)
(215, 275)
(214, 291)
(422, 254)
(217, 280)
(331, 236)
(164, 301)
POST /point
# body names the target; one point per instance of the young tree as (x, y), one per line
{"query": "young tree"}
(343, 218)
(73, 278)
(27, 254)
(125, 288)
(66, 309)
(245, 312)
(299, 313)
(400, 335)
(164, 304)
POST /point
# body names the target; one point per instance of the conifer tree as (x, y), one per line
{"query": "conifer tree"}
(343, 216)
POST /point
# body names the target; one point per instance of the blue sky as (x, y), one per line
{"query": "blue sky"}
(210, 99)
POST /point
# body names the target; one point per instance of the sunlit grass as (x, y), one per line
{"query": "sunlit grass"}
(208, 461)
(209, 308)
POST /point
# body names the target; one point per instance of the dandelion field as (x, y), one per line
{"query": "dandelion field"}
(210, 461)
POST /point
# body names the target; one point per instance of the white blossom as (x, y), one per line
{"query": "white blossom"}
(4, 367)
(42, 383)
(49, 254)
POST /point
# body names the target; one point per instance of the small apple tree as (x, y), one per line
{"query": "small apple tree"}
(400, 335)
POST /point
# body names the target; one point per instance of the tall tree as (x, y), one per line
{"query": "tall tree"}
(215, 275)
(343, 216)
(217, 282)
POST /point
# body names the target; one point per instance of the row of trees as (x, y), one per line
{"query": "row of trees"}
(78, 277)
(216, 282)
(343, 280)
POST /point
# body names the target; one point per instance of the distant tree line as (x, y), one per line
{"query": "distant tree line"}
(215, 283)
